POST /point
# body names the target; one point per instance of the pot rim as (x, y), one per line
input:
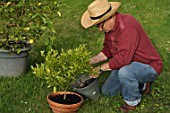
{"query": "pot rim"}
(29, 47)
(22, 49)
(65, 105)
(95, 79)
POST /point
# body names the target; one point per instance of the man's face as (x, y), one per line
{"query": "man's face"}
(100, 26)
(106, 25)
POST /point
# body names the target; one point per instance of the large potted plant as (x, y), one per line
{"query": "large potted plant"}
(22, 24)
(60, 70)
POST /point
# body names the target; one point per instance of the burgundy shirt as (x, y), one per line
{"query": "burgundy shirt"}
(128, 42)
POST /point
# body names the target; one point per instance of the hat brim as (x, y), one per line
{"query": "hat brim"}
(86, 21)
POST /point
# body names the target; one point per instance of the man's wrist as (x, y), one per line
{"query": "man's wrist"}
(100, 70)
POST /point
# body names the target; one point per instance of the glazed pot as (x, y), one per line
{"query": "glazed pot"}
(90, 89)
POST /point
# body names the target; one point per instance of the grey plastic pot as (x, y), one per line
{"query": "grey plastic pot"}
(91, 91)
(12, 64)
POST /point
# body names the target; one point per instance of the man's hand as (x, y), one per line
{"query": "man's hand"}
(98, 58)
(96, 75)
(100, 69)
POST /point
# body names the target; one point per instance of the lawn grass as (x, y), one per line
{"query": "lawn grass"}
(27, 94)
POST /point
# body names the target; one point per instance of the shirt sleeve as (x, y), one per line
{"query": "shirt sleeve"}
(127, 43)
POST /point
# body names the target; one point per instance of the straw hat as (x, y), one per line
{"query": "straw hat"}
(98, 11)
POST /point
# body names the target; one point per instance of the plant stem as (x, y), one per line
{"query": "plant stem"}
(64, 98)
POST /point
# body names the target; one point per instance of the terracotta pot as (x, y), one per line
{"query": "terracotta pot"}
(64, 108)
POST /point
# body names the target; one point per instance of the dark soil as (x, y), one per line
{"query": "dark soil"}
(70, 99)
(82, 83)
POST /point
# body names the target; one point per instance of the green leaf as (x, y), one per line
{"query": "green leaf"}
(49, 47)
(54, 89)
(35, 16)
(48, 86)
(50, 25)
(44, 20)
(59, 13)
(7, 4)
(42, 53)
(18, 51)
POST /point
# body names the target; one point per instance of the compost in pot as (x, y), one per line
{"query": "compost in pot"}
(70, 99)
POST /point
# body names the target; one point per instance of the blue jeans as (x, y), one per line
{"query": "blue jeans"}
(126, 80)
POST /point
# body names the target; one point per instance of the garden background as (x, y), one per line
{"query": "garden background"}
(27, 94)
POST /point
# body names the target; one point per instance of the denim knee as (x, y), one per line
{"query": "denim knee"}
(123, 74)
(108, 92)
(104, 91)
(112, 85)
